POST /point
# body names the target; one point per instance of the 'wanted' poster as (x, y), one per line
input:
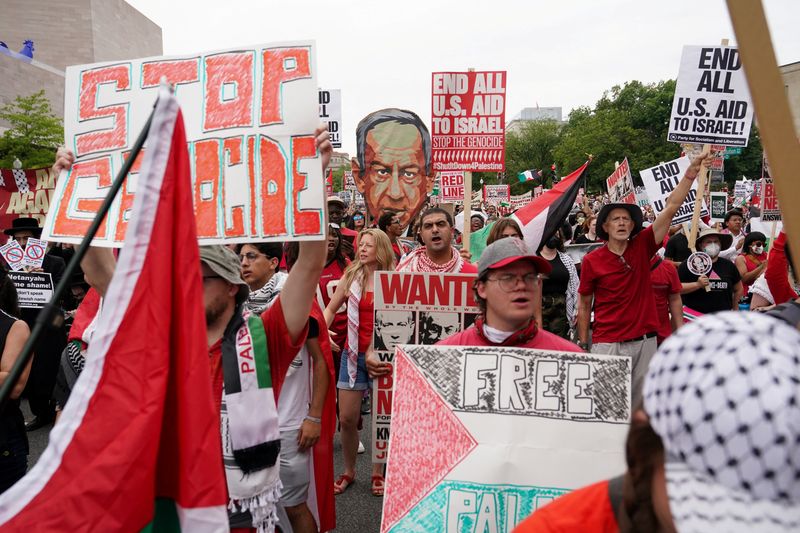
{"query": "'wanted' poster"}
(413, 308)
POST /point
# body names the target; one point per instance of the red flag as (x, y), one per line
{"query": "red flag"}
(138, 444)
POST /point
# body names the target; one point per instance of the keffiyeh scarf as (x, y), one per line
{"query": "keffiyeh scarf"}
(351, 351)
(259, 300)
(418, 261)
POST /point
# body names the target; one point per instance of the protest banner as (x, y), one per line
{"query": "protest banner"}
(620, 184)
(641, 197)
(34, 252)
(483, 436)
(494, 194)
(330, 112)
(719, 206)
(712, 101)
(521, 200)
(25, 193)
(413, 308)
(660, 180)
(34, 289)
(770, 209)
(250, 115)
(468, 121)
(452, 189)
(13, 254)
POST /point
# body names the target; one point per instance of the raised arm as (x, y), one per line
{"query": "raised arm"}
(301, 285)
(677, 196)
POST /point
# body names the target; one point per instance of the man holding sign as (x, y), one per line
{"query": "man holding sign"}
(616, 279)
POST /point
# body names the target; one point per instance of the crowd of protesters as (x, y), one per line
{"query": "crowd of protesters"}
(627, 296)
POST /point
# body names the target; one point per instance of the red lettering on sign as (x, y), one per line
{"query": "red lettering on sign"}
(97, 169)
(281, 65)
(103, 139)
(384, 402)
(306, 222)
(232, 155)
(228, 96)
(126, 197)
(395, 288)
(175, 72)
(206, 186)
(418, 295)
(273, 188)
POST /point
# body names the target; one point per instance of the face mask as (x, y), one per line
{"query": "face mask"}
(553, 242)
(758, 250)
(712, 249)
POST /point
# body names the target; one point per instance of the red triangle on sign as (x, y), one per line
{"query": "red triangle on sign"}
(427, 442)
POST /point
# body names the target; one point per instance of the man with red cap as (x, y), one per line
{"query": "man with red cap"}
(616, 279)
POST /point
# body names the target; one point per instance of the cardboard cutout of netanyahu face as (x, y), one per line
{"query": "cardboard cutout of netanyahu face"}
(393, 164)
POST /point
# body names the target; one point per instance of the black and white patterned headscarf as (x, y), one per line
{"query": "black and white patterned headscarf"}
(723, 393)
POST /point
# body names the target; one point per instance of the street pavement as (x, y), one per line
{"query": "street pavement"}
(357, 510)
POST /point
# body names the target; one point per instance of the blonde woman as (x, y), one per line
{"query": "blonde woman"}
(374, 253)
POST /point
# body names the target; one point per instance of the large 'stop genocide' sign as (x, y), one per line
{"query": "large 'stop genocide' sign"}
(250, 115)
(468, 121)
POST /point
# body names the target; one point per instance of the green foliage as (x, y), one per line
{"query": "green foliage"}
(34, 132)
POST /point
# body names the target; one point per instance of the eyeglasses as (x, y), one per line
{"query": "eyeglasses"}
(250, 256)
(358, 217)
(625, 263)
(508, 282)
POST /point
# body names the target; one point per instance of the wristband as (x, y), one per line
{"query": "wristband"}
(313, 419)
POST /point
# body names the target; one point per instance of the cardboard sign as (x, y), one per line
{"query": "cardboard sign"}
(413, 308)
(770, 209)
(468, 121)
(452, 187)
(330, 112)
(620, 185)
(484, 436)
(494, 194)
(34, 252)
(34, 289)
(13, 254)
(250, 115)
(521, 200)
(712, 102)
(719, 206)
(660, 180)
(25, 193)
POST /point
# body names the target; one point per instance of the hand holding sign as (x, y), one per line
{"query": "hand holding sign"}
(34, 253)
(699, 264)
(13, 254)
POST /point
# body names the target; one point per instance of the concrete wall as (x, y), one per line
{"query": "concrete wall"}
(121, 32)
(791, 80)
(24, 79)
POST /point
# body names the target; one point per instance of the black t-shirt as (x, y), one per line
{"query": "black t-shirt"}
(677, 248)
(558, 280)
(723, 277)
(583, 239)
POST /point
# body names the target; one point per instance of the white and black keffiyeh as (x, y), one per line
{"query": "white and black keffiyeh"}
(259, 300)
(723, 393)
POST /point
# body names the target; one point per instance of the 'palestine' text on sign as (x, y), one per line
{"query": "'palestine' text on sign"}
(468, 121)
(712, 102)
(250, 115)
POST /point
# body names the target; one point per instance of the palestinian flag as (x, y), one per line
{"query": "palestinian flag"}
(138, 445)
(529, 175)
(540, 219)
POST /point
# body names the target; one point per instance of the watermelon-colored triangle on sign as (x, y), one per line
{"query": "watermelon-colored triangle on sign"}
(427, 441)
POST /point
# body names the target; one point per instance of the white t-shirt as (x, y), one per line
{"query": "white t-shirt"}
(295, 393)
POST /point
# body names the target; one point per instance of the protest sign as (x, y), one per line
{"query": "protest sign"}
(620, 185)
(25, 193)
(349, 182)
(660, 180)
(330, 112)
(770, 209)
(13, 254)
(34, 252)
(483, 436)
(495, 194)
(641, 197)
(576, 252)
(538, 191)
(468, 121)
(413, 308)
(452, 189)
(712, 101)
(34, 289)
(521, 200)
(250, 115)
(719, 206)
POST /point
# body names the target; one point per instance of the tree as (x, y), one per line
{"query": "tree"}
(34, 132)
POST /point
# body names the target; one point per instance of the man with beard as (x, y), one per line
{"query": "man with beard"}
(438, 254)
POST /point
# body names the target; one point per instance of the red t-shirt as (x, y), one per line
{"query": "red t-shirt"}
(328, 281)
(366, 320)
(282, 351)
(543, 340)
(468, 268)
(776, 272)
(624, 307)
(584, 510)
(665, 281)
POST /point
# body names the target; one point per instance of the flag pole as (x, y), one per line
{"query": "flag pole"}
(47, 315)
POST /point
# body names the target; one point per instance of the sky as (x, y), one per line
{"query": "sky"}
(381, 54)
